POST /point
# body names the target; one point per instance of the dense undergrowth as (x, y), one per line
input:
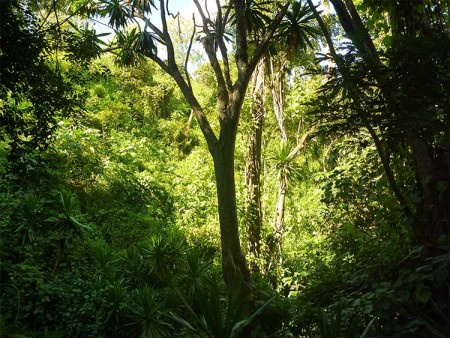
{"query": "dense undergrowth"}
(111, 231)
(108, 211)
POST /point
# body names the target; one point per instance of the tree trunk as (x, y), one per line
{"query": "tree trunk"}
(279, 211)
(277, 85)
(233, 261)
(253, 217)
(275, 244)
(278, 92)
(434, 211)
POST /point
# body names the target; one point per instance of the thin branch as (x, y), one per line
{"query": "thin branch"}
(172, 69)
(141, 16)
(300, 145)
(205, 20)
(168, 11)
(169, 45)
(46, 17)
(299, 126)
(206, 8)
(220, 28)
(219, 24)
(208, 133)
(155, 29)
(208, 44)
(225, 18)
(222, 90)
(110, 49)
(61, 22)
(324, 29)
(189, 52)
(226, 64)
(56, 13)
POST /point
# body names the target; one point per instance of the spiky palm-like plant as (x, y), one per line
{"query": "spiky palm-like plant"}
(216, 318)
(146, 315)
(287, 168)
(162, 255)
(195, 274)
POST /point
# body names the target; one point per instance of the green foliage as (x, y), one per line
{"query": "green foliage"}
(297, 29)
(99, 230)
(256, 15)
(135, 45)
(116, 12)
(357, 175)
(162, 256)
(196, 274)
(35, 96)
(145, 314)
(284, 162)
(31, 208)
(217, 319)
(83, 44)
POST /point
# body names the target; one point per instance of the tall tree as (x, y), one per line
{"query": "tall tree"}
(296, 34)
(257, 21)
(354, 94)
(254, 217)
(295, 29)
(140, 42)
(420, 123)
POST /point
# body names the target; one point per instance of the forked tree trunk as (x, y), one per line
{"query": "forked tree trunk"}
(230, 97)
(253, 217)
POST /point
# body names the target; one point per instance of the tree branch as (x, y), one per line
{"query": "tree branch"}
(188, 79)
(172, 69)
(241, 41)
(174, 16)
(208, 43)
(364, 34)
(205, 20)
(324, 29)
(169, 45)
(220, 28)
(300, 145)
(155, 29)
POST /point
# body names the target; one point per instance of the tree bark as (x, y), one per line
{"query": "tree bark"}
(279, 211)
(253, 218)
(277, 89)
(277, 86)
(435, 213)
(233, 261)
